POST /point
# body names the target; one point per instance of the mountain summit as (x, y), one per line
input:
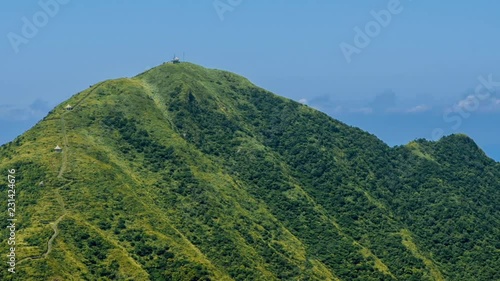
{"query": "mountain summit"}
(188, 173)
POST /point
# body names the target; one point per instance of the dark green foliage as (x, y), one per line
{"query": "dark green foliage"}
(155, 154)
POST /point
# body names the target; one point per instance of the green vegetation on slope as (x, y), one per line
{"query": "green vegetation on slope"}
(186, 173)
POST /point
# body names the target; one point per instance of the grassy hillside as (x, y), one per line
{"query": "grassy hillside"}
(187, 173)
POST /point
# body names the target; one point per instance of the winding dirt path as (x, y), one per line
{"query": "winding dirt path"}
(59, 199)
(65, 148)
(54, 225)
(56, 232)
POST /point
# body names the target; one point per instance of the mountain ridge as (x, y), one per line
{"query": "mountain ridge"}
(193, 174)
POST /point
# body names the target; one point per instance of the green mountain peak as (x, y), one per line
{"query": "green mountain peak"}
(188, 173)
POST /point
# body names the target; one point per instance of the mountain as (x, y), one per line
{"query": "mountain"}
(188, 173)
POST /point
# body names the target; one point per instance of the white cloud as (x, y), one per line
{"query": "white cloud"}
(475, 103)
(469, 102)
(494, 105)
(388, 103)
(303, 101)
(418, 108)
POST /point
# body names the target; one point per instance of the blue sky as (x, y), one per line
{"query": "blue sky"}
(399, 69)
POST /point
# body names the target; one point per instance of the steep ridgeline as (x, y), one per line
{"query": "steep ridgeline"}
(186, 173)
